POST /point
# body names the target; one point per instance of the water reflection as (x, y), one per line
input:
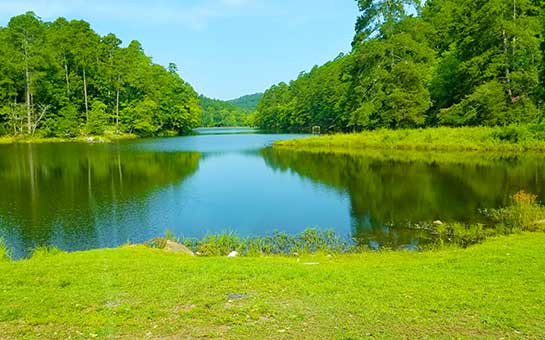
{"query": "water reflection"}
(60, 193)
(77, 196)
(389, 190)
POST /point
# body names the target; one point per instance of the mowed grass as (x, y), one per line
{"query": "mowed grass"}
(496, 289)
(499, 139)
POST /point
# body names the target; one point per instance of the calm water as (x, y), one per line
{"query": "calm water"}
(79, 196)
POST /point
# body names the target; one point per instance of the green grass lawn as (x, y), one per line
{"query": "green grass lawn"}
(496, 289)
(500, 139)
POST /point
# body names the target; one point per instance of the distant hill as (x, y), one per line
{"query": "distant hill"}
(220, 113)
(248, 102)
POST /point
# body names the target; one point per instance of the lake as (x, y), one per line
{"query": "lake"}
(84, 196)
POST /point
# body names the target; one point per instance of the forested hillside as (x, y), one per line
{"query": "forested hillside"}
(220, 113)
(61, 78)
(443, 62)
(248, 102)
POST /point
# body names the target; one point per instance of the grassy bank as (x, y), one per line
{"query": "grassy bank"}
(107, 138)
(495, 289)
(499, 139)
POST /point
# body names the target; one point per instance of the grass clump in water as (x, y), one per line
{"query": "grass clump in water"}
(4, 251)
(45, 251)
(310, 241)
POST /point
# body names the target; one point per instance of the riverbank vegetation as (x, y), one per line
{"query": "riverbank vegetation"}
(422, 64)
(62, 79)
(498, 139)
(524, 213)
(494, 289)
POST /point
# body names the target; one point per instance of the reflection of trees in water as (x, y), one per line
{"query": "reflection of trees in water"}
(64, 184)
(397, 190)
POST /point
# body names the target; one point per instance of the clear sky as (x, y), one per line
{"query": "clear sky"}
(224, 48)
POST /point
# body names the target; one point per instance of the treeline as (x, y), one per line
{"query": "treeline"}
(220, 113)
(63, 79)
(418, 64)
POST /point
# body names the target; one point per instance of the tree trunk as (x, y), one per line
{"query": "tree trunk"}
(117, 110)
(507, 70)
(85, 95)
(66, 76)
(28, 110)
(27, 87)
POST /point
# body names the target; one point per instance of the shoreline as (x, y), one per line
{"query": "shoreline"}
(514, 139)
(103, 139)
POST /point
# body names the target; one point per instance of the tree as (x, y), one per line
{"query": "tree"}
(26, 34)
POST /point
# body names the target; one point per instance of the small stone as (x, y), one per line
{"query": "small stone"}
(438, 222)
(178, 248)
(233, 254)
(236, 296)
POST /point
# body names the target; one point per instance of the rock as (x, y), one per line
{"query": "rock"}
(438, 222)
(233, 254)
(237, 296)
(178, 248)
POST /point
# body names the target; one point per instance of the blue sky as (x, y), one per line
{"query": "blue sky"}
(224, 48)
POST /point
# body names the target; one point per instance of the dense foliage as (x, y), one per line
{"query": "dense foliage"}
(443, 62)
(220, 113)
(63, 79)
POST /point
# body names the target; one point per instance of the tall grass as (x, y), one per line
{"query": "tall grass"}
(309, 241)
(4, 251)
(45, 251)
(524, 213)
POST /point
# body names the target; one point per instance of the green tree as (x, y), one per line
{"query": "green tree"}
(26, 35)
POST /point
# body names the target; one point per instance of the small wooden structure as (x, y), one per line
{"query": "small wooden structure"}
(316, 130)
